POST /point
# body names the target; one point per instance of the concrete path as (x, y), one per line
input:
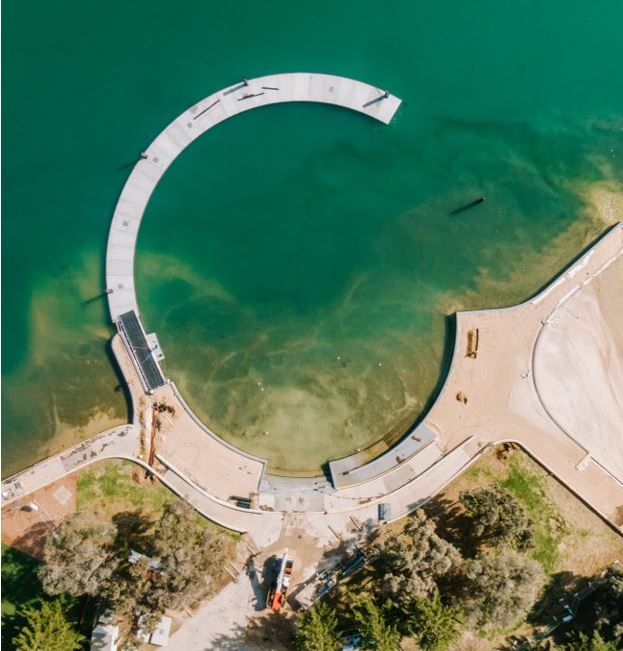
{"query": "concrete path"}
(116, 443)
(487, 398)
(242, 96)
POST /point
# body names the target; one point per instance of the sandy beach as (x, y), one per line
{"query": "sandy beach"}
(578, 367)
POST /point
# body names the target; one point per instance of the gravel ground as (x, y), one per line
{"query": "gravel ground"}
(221, 623)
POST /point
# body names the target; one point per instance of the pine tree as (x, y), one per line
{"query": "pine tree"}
(435, 625)
(595, 642)
(47, 629)
(377, 633)
(317, 630)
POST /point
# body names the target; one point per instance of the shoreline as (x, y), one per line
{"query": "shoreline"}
(496, 401)
(67, 434)
(489, 294)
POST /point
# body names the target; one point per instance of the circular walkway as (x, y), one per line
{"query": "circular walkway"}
(245, 95)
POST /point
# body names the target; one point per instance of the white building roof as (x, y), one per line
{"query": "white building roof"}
(105, 637)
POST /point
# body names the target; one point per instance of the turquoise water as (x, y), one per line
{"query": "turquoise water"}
(298, 261)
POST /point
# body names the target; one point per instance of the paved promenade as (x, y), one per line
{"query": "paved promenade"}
(117, 443)
(489, 396)
(517, 374)
(493, 397)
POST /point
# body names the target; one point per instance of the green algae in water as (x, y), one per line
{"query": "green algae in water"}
(307, 317)
(290, 236)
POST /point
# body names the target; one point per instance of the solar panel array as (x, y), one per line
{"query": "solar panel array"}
(132, 331)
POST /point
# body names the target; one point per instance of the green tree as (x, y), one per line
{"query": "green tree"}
(501, 588)
(608, 605)
(376, 631)
(435, 625)
(183, 565)
(414, 560)
(498, 518)
(602, 612)
(594, 642)
(47, 629)
(78, 557)
(317, 630)
(192, 556)
(182, 561)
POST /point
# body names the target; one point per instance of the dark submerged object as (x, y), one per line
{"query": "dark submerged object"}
(467, 206)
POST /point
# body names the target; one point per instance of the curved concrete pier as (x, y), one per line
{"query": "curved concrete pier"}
(242, 96)
(490, 395)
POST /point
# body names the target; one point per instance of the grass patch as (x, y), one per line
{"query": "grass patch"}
(527, 484)
(109, 487)
(480, 473)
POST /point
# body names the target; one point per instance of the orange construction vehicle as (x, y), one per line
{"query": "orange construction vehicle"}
(277, 593)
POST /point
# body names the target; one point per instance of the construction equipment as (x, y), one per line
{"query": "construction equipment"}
(276, 597)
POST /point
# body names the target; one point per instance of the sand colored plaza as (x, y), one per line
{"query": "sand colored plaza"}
(578, 367)
(520, 386)
(517, 374)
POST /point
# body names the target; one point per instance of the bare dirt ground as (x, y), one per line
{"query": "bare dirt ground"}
(25, 528)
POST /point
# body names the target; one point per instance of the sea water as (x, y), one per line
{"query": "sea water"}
(299, 262)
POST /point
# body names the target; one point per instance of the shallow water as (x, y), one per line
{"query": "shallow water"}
(297, 261)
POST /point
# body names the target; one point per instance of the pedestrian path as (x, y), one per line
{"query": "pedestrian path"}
(170, 143)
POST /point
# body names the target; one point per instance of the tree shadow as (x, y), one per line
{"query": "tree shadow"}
(452, 524)
(32, 541)
(231, 641)
(133, 533)
(555, 596)
(275, 631)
